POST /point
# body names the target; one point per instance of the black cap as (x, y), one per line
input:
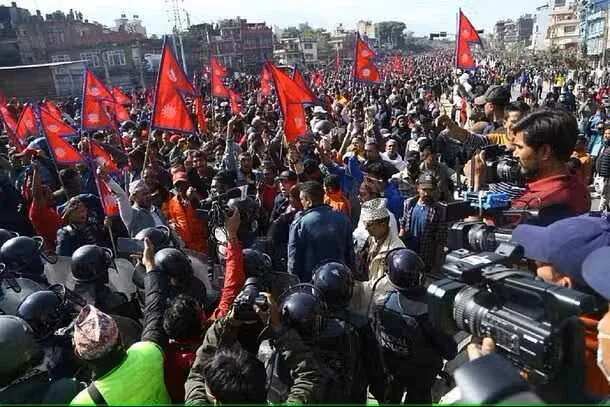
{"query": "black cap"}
(494, 94)
(288, 176)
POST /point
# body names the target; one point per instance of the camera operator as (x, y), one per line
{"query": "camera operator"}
(559, 251)
(295, 375)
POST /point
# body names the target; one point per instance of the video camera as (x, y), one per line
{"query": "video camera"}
(243, 306)
(485, 297)
(500, 166)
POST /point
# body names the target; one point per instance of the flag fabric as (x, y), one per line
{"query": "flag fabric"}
(169, 110)
(97, 101)
(26, 126)
(235, 101)
(62, 151)
(297, 76)
(8, 118)
(219, 73)
(102, 157)
(109, 202)
(364, 65)
(53, 109)
(202, 123)
(120, 97)
(119, 111)
(291, 97)
(56, 126)
(466, 35)
(265, 82)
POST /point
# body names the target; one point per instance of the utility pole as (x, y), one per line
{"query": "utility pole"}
(605, 44)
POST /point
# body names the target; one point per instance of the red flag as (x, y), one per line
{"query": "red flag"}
(62, 151)
(56, 126)
(364, 66)
(109, 202)
(265, 82)
(53, 109)
(8, 118)
(219, 73)
(102, 157)
(202, 123)
(291, 97)
(169, 110)
(120, 97)
(297, 76)
(26, 126)
(467, 35)
(96, 99)
(235, 101)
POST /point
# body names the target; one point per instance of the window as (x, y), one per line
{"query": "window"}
(92, 57)
(116, 57)
(56, 35)
(569, 29)
(308, 45)
(60, 58)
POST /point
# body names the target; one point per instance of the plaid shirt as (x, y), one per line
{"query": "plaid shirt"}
(432, 239)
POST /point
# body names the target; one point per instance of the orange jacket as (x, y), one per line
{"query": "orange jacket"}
(188, 225)
(338, 202)
(596, 383)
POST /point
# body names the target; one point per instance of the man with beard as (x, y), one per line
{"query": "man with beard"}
(200, 176)
(544, 141)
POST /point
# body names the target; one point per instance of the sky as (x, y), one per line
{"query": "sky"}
(420, 16)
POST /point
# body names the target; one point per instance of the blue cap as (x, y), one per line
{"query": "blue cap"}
(596, 269)
(565, 244)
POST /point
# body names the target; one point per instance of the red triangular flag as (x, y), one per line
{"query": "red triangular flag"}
(297, 76)
(8, 118)
(102, 157)
(364, 66)
(202, 123)
(109, 202)
(265, 82)
(95, 88)
(96, 96)
(120, 97)
(26, 125)
(295, 123)
(235, 101)
(56, 126)
(219, 73)
(53, 109)
(169, 110)
(62, 151)
(466, 35)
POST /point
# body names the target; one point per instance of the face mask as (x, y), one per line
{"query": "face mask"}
(600, 356)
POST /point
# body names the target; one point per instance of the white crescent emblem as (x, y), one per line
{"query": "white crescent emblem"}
(366, 72)
(53, 128)
(29, 124)
(94, 91)
(172, 75)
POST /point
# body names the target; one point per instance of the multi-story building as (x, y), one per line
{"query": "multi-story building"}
(540, 40)
(509, 33)
(525, 27)
(366, 29)
(594, 28)
(564, 25)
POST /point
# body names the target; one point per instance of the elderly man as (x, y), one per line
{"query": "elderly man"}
(142, 214)
(383, 238)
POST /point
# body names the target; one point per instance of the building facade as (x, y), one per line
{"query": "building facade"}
(540, 40)
(564, 26)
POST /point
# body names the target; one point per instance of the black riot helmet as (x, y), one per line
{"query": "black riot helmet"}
(6, 234)
(43, 311)
(256, 263)
(405, 269)
(22, 256)
(335, 282)
(18, 348)
(302, 308)
(159, 236)
(90, 263)
(174, 263)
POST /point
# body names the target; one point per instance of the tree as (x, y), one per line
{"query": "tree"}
(390, 33)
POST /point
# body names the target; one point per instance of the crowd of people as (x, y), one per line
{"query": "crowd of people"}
(313, 283)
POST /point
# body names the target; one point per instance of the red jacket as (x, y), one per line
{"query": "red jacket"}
(235, 277)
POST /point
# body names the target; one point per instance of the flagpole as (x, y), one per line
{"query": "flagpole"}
(152, 116)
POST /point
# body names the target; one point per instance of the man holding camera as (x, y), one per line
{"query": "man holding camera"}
(559, 251)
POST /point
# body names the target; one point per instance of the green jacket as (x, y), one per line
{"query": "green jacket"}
(306, 383)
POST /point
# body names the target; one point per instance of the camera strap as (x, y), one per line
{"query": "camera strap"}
(95, 395)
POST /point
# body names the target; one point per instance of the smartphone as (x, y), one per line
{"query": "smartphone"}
(130, 246)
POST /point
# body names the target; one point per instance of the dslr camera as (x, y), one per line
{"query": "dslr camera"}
(243, 306)
(501, 166)
(531, 321)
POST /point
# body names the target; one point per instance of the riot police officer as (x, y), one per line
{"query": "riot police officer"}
(22, 256)
(6, 234)
(412, 350)
(89, 269)
(178, 267)
(22, 378)
(160, 238)
(349, 335)
(14, 289)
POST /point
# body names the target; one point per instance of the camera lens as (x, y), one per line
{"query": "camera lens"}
(481, 238)
(509, 170)
(467, 313)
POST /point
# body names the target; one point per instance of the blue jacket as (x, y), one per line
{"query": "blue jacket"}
(394, 200)
(319, 234)
(351, 176)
